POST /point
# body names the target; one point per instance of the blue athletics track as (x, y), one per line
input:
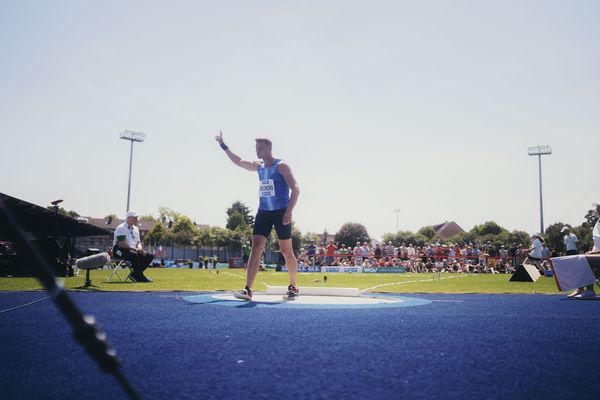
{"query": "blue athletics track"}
(196, 346)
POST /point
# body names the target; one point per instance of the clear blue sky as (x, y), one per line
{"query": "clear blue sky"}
(426, 106)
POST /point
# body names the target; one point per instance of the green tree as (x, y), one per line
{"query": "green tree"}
(390, 237)
(584, 232)
(554, 237)
(350, 233)
(184, 231)
(427, 231)
(584, 238)
(463, 238)
(296, 239)
(235, 220)
(590, 219)
(272, 245)
(184, 224)
(158, 233)
(221, 236)
(488, 228)
(204, 237)
(519, 238)
(167, 215)
(308, 236)
(239, 214)
(183, 238)
(406, 237)
(238, 236)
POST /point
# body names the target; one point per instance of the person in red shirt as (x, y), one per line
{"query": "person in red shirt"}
(330, 253)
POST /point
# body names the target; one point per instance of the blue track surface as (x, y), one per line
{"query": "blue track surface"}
(456, 347)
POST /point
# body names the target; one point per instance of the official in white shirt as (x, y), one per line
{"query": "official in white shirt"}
(535, 253)
(592, 256)
(570, 241)
(127, 245)
(596, 231)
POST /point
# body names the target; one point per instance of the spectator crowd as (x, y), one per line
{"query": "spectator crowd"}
(431, 257)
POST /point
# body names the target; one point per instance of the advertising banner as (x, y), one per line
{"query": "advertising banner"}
(385, 270)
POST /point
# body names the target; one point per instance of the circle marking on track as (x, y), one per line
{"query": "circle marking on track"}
(331, 302)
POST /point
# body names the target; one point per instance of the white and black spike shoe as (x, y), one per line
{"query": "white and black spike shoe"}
(292, 293)
(244, 294)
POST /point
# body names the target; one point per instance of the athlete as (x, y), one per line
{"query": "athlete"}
(278, 194)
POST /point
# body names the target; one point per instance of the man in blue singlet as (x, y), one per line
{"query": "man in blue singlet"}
(278, 194)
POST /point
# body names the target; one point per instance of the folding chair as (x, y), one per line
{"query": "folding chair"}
(117, 265)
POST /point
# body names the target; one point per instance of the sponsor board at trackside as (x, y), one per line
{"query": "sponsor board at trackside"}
(379, 270)
(283, 268)
(341, 269)
(388, 270)
(323, 269)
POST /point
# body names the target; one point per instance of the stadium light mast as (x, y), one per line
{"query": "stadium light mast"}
(132, 137)
(397, 211)
(540, 151)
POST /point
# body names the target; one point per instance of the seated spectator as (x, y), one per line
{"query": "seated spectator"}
(483, 258)
(446, 266)
(429, 265)
(456, 267)
(489, 269)
(128, 246)
(471, 267)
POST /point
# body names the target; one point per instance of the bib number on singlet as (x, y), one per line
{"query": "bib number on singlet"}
(266, 188)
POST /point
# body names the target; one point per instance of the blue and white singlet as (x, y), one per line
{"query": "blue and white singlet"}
(273, 192)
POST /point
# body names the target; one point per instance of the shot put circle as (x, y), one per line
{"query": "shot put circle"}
(259, 300)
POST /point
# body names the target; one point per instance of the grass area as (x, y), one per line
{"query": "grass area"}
(175, 279)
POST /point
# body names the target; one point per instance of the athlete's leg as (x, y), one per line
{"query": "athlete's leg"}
(258, 246)
(285, 246)
(284, 235)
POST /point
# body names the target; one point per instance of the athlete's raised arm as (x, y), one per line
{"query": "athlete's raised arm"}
(237, 160)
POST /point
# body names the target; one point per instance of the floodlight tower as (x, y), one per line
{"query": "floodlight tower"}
(540, 151)
(397, 211)
(132, 137)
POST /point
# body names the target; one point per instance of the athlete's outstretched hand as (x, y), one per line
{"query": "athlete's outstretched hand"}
(219, 138)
